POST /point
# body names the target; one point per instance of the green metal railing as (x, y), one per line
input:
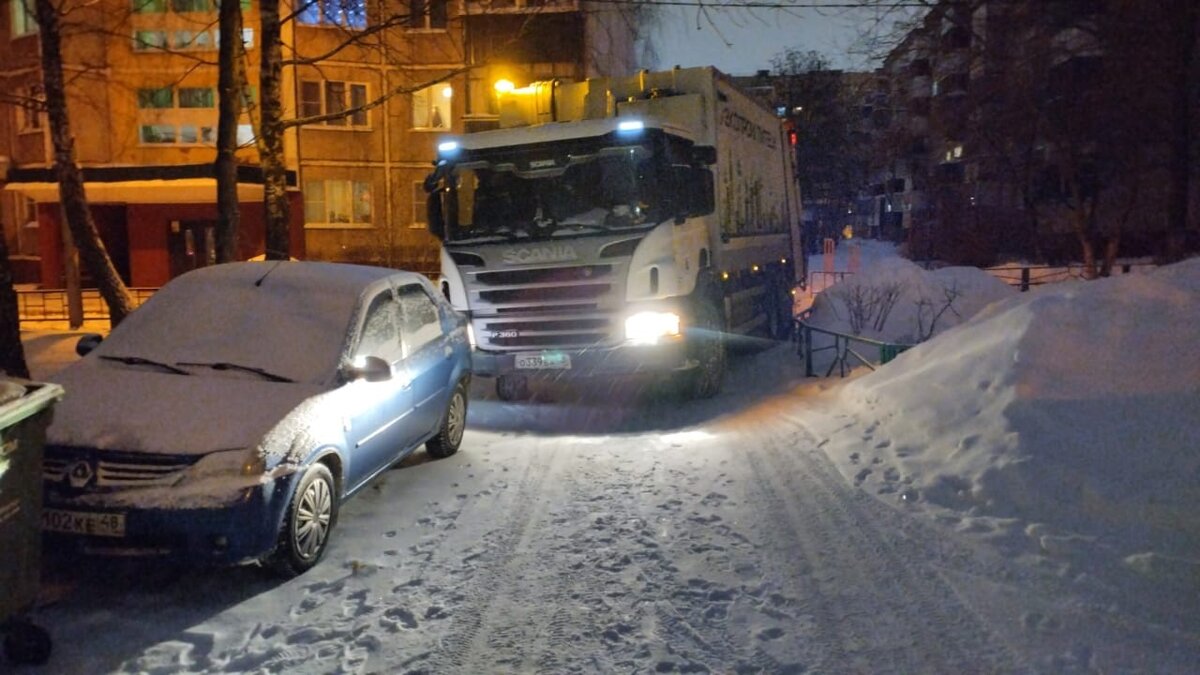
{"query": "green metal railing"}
(844, 352)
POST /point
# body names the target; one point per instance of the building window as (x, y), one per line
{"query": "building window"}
(182, 6)
(427, 14)
(148, 40)
(330, 97)
(420, 205)
(344, 13)
(180, 116)
(149, 6)
(24, 21)
(31, 113)
(337, 202)
(431, 107)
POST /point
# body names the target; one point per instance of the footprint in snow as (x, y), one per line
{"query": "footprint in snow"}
(397, 619)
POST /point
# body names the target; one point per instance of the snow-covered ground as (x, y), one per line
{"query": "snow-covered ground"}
(1020, 493)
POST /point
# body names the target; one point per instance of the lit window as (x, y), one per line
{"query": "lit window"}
(24, 21)
(427, 14)
(331, 97)
(191, 39)
(176, 116)
(157, 133)
(431, 107)
(337, 202)
(345, 13)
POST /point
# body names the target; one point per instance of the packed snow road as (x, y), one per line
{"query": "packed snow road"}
(617, 533)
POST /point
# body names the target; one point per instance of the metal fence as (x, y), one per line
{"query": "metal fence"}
(843, 346)
(53, 304)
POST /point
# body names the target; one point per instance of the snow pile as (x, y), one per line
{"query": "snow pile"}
(1070, 414)
(895, 300)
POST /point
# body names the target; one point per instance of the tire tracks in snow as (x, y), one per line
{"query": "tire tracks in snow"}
(913, 619)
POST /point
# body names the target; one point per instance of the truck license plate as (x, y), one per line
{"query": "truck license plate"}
(543, 361)
(80, 522)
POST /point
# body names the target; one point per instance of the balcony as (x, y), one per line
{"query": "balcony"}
(521, 6)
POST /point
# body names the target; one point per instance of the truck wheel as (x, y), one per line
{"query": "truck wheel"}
(26, 643)
(512, 387)
(778, 307)
(307, 524)
(705, 346)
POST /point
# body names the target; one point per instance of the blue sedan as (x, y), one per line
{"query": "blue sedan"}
(227, 418)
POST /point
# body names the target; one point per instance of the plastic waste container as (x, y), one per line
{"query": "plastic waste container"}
(25, 411)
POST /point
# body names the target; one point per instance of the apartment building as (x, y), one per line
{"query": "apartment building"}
(142, 97)
(1029, 128)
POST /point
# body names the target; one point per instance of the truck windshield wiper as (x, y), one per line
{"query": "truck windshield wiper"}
(140, 361)
(222, 365)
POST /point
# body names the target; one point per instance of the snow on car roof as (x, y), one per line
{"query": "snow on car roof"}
(291, 318)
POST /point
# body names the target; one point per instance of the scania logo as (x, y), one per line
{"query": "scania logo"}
(80, 474)
(540, 254)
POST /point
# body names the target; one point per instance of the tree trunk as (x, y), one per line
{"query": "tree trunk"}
(12, 353)
(70, 178)
(231, 84)
(270, 134)
(1112, 244)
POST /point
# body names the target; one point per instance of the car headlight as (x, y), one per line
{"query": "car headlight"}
(240, 462)
(650, 327)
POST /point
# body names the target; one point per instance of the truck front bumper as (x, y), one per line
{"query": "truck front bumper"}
(628, 359)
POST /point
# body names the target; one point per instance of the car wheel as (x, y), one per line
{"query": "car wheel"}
(26, 643)
(454, 422)
(307, 524)
(512, 387)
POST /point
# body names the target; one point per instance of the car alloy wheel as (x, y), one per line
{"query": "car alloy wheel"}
(308, 523)
(449, 436)
(314, 517)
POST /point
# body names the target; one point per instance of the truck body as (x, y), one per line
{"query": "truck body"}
(619, 225)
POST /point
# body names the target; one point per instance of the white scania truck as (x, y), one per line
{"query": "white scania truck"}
(619, 225)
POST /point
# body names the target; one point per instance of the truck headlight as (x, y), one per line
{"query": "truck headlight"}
(471, 335)
(648, 328)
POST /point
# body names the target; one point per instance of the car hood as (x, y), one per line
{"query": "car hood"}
(114, 407)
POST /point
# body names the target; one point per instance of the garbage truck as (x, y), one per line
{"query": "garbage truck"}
(615, 226)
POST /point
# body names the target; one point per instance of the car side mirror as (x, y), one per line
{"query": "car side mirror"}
(87, 343)
(369, 368)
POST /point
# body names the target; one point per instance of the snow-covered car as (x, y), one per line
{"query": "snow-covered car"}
(227, 418)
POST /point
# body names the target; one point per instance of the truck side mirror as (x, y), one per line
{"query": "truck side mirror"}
(705, 155)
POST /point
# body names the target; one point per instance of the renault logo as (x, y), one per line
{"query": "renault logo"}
(80, 474)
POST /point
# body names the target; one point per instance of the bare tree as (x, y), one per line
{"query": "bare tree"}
(75, 207)
(231, 86)
(12, 353)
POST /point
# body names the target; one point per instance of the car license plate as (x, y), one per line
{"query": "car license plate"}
(543, 360)
(80, 522)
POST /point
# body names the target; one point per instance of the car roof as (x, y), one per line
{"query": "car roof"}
(340, 278)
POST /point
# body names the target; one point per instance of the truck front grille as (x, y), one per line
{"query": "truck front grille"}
(545, 308)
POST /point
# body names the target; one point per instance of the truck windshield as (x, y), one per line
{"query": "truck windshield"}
(613, 189)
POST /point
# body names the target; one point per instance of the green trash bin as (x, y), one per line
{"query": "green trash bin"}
(25, 411)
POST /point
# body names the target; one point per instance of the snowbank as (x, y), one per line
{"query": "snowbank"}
(895, 300)
(1068, 417)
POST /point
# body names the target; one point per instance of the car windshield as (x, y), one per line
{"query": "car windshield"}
(611, 190)
(292, 326)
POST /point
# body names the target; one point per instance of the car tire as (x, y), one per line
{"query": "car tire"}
(512, 387)
(307, 524)
(454, 422)
(26, 643)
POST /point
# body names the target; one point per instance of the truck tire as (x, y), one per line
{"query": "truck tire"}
(512, 387)
(705, 346)
(778, 308)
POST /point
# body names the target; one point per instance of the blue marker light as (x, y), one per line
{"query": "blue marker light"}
(631, 125)
(447, 147)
